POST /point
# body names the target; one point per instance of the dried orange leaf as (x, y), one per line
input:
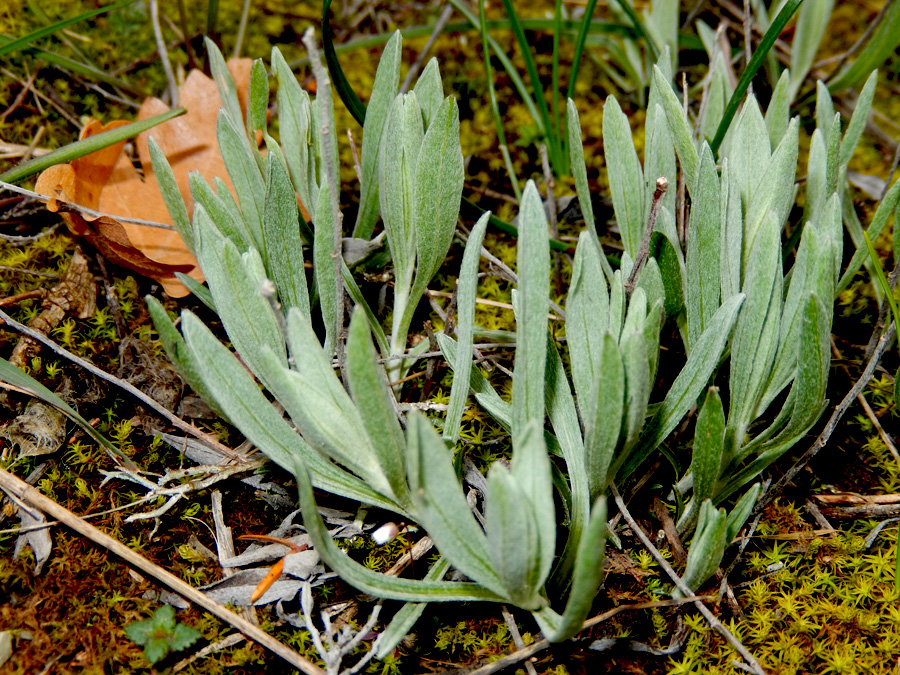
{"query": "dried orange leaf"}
(106, 181)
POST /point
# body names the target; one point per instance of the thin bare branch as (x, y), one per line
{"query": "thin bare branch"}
(704, 610)
(15, 486)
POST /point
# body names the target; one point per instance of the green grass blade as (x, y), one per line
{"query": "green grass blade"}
(506, 62)
(25, 40)
(84, 147)
(22, 380)
(640, 29)
(756, 61)
(882, 44)
(881, 279)
(580, 39)
(495, 109)
(471, 24)
(84, 69)
(341, 85)
(560, 131)
(551, 132)
(879, 222)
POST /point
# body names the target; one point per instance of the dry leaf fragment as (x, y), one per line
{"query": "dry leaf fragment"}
(107, 181)
(75, 294)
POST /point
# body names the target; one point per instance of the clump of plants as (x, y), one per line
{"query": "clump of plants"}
(721, 281)
(752, 323)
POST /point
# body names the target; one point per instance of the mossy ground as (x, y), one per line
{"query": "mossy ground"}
(831, 606)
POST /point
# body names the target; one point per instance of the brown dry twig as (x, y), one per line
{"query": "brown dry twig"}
(521, 654)
(131, 389)
(20, 489)
(704, 610)
(841, 408)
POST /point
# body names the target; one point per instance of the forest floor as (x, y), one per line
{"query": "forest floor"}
(814, 588)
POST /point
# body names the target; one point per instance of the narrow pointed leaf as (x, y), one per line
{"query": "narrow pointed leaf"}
(680, 127)
(246, 314)
(384, 89)
(429, 91)
(709, 446)
(586, 578)
(533, 261)
(294, 117)
(465, 321)
(238, 395)
(372, 395)
(441, 507)
(22, 380)
(367, 581)
(626, 179)
(284, 250)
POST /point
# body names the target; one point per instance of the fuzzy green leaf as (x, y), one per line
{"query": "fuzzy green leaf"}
(465, 323)
(438, 189)
(384, 91)
(249, 185)
(323, 265)
(227, 91)
(429, 91)
(709, 446)
(812, 18)
(586, 580)
(294, 119)
(708, 547)
(587, 315)
(441, 506)
(178, 352)
(702, 285)
(690, 382)
(402, 140)
(258, 98)
(603, 416)
(533, 261)
(680, 128)
(246, 314)
(367, 581)
(369, 388)
(778, 112)
(171, 195)
(626, 179)
(238, 395)
(284, 250)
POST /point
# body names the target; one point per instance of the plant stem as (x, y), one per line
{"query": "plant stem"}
(662, 186)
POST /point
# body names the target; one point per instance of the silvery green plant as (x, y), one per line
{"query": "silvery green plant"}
(781, 339)
(511, 558)
(727, 291)
(346, 437)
